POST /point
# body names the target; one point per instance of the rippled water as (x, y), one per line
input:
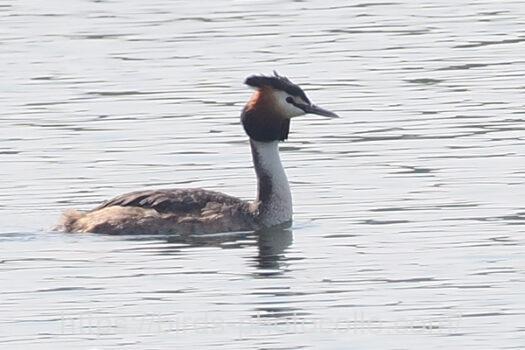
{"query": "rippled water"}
(409, 209)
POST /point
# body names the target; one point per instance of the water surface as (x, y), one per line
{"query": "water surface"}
(409, 209)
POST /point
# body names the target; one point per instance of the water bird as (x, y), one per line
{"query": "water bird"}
(266, 120)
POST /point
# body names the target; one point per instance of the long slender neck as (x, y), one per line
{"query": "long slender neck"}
(274, 198)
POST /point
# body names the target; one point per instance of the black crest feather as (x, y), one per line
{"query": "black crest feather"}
(277, 82)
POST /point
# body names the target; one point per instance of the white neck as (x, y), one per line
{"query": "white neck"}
(274, 198)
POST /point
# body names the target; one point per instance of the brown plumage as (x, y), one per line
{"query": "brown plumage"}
(165, 211)
(261, 118)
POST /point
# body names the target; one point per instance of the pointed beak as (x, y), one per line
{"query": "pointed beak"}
(313, 109)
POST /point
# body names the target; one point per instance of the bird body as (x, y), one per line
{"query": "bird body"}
(266, 120)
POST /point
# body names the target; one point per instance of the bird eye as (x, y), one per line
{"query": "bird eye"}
(289, 99)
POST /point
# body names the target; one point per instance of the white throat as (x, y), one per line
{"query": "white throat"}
(274, 198)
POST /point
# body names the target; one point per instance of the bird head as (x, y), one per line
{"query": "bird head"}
(276, 100)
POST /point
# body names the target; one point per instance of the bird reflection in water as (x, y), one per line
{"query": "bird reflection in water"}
(271, 244)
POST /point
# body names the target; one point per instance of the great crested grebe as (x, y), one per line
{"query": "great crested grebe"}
(266, 120)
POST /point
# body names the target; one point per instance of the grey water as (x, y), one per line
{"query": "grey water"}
(409, 209)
